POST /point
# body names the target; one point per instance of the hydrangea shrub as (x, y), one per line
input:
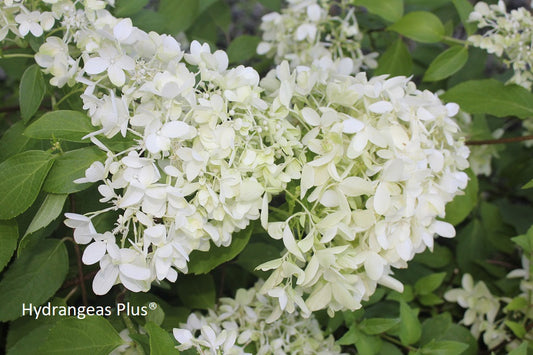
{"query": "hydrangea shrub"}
(176, 182)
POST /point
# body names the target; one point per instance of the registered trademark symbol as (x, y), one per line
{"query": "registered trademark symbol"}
(152, 305)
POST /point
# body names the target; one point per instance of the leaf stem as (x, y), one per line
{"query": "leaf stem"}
(500, 140)
(397, 342)
(16, 55)
(452, 40)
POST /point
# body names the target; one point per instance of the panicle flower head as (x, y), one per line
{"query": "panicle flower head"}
(306, 33)
(507, 35)
(204, 154)
(244, 325)
(381, 161)
(481, 310)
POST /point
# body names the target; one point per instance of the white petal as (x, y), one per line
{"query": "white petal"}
(96, 65)
(123, 29)
(319, 299)
(183, 336)
(313, 12)
(310, 116)
(452, 109)
(135, 272)
(380, 107)
(116, 75)
(352, 125)
(93, 253)
(104, 280)
(356, 186)
(443, 229)
(374, 266)
(382, 199)
(329, 198)
(290, 243)
(175, 129)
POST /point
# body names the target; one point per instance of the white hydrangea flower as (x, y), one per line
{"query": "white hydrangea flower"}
(206, 158)
(507, 35)
(237, 325)
(34, 22)
(481, 310)
(305, 33)
(382, 160)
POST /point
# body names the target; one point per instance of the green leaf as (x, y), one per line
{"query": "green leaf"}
(433, 328)
(178, 15)
(90, 336)
(69, 167)
(430, 299)
(126, 8)
(396, 60)
(421, 26)
(220, 14)
(21, 178)
(197, 292)
(149, 20)
(464, 8)
(63, 124)
(447, 63)
(33, 278)
(411, 330)
(528, 185)
(525, 241)
(389, 349)
(50, 209)
(14, 141)
(390, 10)
(349, 337)
(517, 304)
(373, 326)
(492, 97)
(444, 347)
(440, 328)
(31, 91)
(518, 329)
(274, 5)
(462, 205)
(9, 234)
(497, 232)
(156, 315)
(161, 342)
(34, 338)
(201, 262)
(242, 48)
(438, 258)
(520, 350)
(430, 283)
(365, 344)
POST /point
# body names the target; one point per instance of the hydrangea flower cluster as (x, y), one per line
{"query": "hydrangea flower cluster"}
(307, 33)
(481, 310)
(374, 160)
(245, 325)
(204, 157)
(508, 35)
(382, 161)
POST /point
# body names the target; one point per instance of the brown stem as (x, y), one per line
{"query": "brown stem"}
(80, 274)
(501, 263)
(76, 280)
(9, 109)
(500, 140)
(78, 259)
